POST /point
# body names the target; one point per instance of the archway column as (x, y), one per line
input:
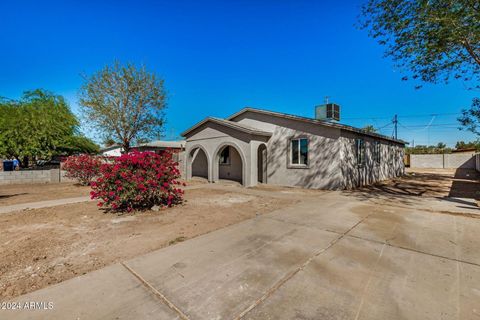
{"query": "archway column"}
(191, 158)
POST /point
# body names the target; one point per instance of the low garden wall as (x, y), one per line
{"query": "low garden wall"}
(32, 176)
(443, 161)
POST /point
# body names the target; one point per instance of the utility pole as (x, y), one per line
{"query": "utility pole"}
(395, 122)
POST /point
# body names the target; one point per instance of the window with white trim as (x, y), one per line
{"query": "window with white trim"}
(360, 151)
(299, 151)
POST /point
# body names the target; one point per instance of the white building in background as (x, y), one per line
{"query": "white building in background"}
(112, 151)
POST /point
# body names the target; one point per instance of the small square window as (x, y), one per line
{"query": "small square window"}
(299, 151)
(225, 156)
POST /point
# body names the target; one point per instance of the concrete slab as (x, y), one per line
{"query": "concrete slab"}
(358, 279)
(109, 293)
(219, 275)
(449, 236)
(335, 213)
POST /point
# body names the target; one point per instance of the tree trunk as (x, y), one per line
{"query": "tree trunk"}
(126, 146)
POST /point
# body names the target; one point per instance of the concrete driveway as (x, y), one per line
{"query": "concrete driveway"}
(334, 255)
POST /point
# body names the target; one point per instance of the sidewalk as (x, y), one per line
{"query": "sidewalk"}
(42, 204)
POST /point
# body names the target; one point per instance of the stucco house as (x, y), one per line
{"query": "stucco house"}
(258, 146)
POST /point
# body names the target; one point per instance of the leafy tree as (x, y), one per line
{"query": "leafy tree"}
(441, 145)
(470, 119)
(109, 142)
(468, 145)
(369, 128)
(433, 41)
(40, 124)
(423, 149)
(125, 103)
(78, 144)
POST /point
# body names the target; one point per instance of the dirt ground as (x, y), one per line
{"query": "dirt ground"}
(46, 246)
(23, 193)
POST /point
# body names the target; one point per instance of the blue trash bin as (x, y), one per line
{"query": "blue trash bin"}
(7, 165)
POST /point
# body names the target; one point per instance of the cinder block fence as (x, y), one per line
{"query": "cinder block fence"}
(32, 176)
(443, 161)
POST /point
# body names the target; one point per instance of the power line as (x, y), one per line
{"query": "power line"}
(431, 125)
(404, 116)
(387, 125)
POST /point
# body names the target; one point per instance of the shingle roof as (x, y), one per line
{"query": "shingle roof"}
(230, 124)
(163, 144)
(316, 121)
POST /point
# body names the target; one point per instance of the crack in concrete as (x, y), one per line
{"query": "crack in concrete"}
(416, 251)
(377, 241)
(367, 285)
(157, 293)
(290, 275)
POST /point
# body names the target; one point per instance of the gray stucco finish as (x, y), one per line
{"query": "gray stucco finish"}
(331, 156)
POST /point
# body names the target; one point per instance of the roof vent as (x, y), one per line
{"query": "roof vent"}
(328, 112)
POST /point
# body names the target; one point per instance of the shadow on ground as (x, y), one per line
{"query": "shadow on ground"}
(6, 196)
(448, 185)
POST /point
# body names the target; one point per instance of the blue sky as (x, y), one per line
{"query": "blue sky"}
(219, 56)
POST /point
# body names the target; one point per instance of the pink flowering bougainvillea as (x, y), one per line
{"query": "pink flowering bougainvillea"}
(83, 168)
(138, 180)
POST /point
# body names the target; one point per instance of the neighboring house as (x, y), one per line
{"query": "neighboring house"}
(159, 145)
(255, 145)
(155, 146)
(112, 151)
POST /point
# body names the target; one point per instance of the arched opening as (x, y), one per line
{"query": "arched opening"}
(230, 165)
(262, 163)
(199, 163)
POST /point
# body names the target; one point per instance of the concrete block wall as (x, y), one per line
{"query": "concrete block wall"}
(180, 157)
(443, 161)
(458, 160)
(30, 176)
(63, 178)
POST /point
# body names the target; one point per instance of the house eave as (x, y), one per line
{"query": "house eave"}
(228, 124)
(316, 121)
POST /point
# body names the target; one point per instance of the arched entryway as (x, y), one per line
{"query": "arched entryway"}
(198, 161)
(229, 163)
(262, 163)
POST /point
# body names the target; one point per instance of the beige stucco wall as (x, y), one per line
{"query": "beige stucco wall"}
(200, 165)
(354, 175)
(212, 137)
(323, 171)
(332, 156)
